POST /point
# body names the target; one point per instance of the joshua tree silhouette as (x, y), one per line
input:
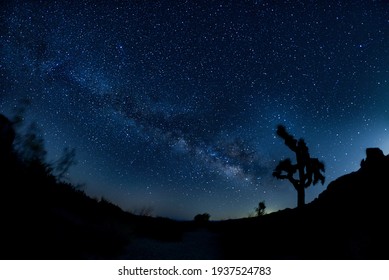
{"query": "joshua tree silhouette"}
(309, 169)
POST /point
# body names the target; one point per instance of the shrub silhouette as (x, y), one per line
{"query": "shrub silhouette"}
(67, 160)
(308, 169)
(145, 211)
(260, 210)
(202, 218)
(33, 147)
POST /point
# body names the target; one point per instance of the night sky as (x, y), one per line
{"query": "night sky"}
(174, 105)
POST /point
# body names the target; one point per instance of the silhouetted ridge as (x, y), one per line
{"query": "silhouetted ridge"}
(366, 188)
(43, 217)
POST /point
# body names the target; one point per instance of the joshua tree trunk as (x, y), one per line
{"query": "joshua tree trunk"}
(300, 196)
(301, 182)
(300, 193)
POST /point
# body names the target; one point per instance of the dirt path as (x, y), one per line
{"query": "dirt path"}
(195, 245)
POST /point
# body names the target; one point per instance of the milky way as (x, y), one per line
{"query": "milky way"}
(174, 104)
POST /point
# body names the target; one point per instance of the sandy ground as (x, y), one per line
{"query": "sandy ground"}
(195, 245)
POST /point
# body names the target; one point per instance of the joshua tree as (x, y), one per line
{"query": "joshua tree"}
(308, 169)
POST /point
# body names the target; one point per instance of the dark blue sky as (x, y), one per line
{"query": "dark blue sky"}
(174, 104)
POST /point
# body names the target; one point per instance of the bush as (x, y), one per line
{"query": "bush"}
(202, 218)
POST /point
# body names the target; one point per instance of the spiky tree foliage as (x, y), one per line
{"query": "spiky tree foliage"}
(308, 169)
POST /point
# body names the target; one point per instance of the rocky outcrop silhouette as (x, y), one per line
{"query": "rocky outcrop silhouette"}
(355, 208)
(360, 193)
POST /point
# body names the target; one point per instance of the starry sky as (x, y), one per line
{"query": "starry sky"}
(173, 105)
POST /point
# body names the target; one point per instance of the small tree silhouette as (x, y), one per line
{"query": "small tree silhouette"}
(67, 160)
(309, 169)
(32, 147)
(260, 210)
(202, 218)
